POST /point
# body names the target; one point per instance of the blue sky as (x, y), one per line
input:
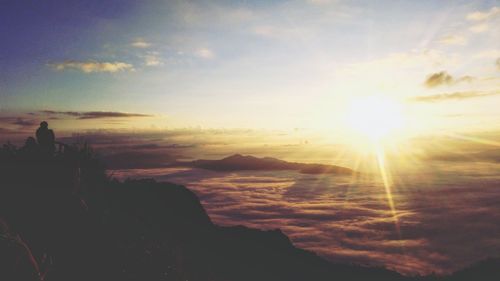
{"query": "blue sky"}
(259, 64)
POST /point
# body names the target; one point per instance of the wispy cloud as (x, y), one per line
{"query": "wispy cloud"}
(92, 66)
(140, 43)
(95, 114)
(152, 59)
(453, 40)
(24, 122)
(204, 53)
(18, 121)
(443, 78)
(484, 15)
(498, 63)
(479, 28)
(453, 96)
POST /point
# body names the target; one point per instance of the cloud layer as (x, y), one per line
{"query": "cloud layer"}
(18, 121)
(347, 219)
(93, 66)
(140, 43)
(95, 114)
(453, 96)
(453, 40)
(485, 15)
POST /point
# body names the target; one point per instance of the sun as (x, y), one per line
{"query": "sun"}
(374, 117)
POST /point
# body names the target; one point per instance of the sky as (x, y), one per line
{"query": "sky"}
(247, 64)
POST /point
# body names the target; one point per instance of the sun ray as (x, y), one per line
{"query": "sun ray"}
(387, 183)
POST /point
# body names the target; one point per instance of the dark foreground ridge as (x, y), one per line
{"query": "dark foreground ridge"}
(63, 219)
(239, 162)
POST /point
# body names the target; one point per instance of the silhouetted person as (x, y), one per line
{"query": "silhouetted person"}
(30, 142)
(46, 138)
(30, 145)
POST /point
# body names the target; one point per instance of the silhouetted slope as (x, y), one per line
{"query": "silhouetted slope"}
(15, 257)
(239, 162)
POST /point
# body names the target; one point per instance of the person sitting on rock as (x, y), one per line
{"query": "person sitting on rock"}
(46, 138)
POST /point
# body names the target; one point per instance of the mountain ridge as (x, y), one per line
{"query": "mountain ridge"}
(239, 162)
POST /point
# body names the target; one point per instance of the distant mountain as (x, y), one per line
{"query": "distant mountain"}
(238, 162)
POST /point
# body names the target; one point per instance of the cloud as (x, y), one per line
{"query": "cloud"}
(204, 53)
(437, 79)
(5, 131)
(453, 40)
(465, 79)
(443, 78)
(482, 16)
(479, 28)
(18, 121)
(93, 66)
(140, 43)
(453, 96)
(491, 155)
(152, 59)
(95, 114)
(498, 63)
(24, 122)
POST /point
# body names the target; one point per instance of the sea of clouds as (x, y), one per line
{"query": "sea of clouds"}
(444, 220)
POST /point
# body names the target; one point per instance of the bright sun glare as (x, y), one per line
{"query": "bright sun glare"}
(374, 117)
